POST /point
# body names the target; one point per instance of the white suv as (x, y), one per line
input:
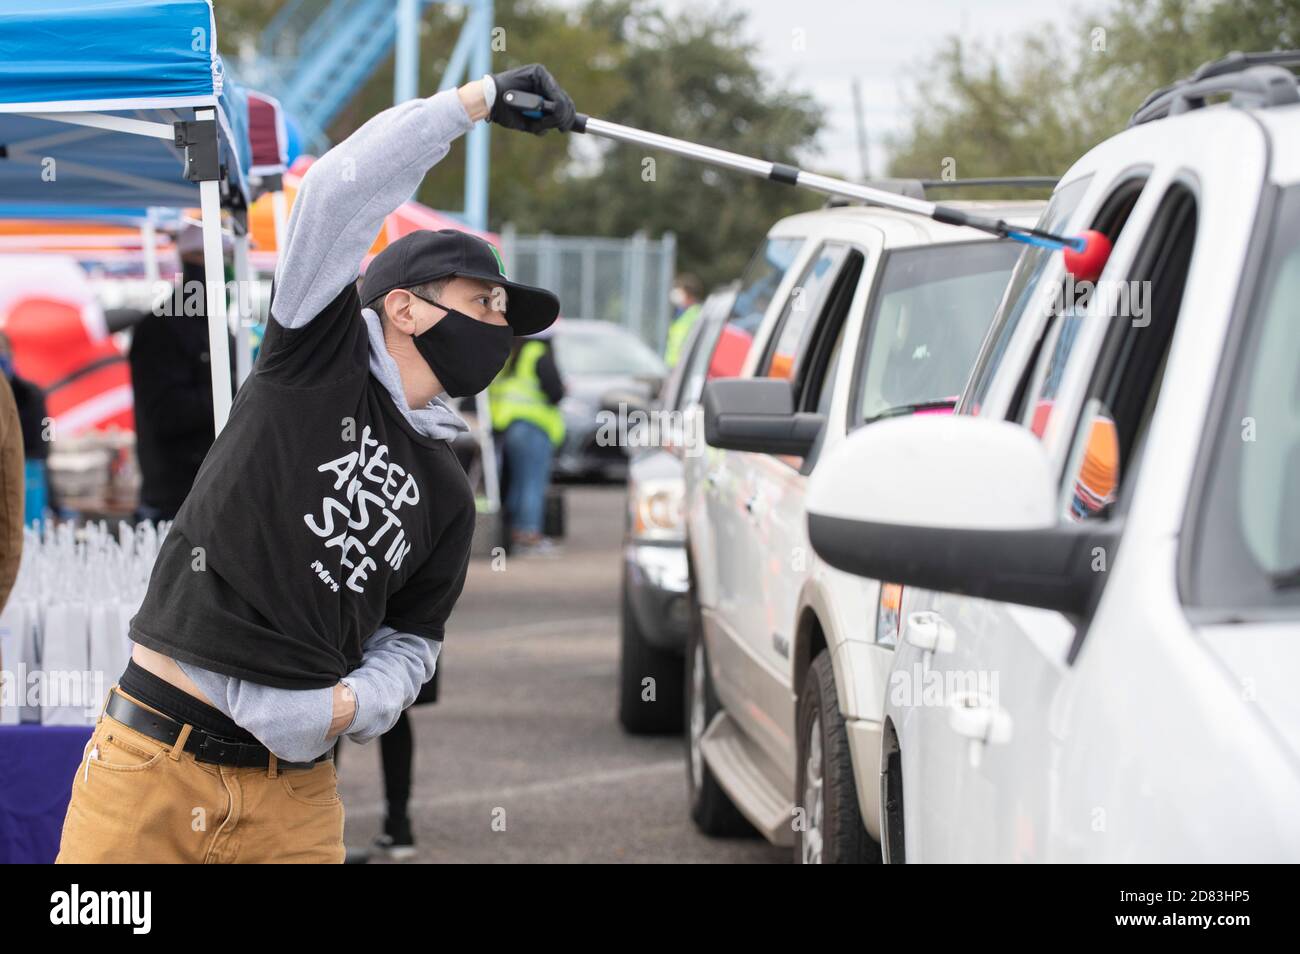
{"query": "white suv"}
(844, 316)
(1098, 658)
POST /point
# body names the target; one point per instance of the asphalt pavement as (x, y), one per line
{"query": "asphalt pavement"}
(522, 758)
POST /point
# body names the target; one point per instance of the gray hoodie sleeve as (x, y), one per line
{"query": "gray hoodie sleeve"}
(293, 723)
(290, 722)
(347, 193)
(395, 667)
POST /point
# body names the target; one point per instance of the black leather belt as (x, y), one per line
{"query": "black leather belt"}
(204, 746)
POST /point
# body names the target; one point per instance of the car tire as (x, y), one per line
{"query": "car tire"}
(637, 661)
(711, 808)
(826, 794)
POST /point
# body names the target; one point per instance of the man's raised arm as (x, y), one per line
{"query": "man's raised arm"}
(347, 193)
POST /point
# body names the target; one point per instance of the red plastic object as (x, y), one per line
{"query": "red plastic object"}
(1086, 266)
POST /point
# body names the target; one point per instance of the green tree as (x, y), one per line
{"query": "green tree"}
(1033, 105)
(522, 167)
(686, 74)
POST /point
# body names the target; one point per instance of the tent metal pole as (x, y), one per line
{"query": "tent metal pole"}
(487, 451)
(214, 276)
(149, 243)
(201, 166)
(136, 127)
(279, 216)
(243, 311)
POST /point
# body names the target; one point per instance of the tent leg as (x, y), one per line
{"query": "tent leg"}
(280, 216)
(487, 451)
(243, 311)
(149, 243)
(214, 276)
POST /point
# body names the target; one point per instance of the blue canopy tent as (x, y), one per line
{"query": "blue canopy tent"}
(117, 106)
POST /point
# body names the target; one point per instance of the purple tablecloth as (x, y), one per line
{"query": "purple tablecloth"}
(37, 765)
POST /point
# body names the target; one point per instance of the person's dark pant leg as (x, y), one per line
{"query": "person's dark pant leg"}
(531, 453)
(396, 749)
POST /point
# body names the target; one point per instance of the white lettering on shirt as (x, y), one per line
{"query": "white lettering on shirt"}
(375, 491)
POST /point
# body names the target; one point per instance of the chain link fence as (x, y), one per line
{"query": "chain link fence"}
(623, 280)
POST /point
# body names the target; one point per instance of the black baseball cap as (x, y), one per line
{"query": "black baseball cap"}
(427, 255)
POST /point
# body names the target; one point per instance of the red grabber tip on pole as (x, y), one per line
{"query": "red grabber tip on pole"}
(1086, 264)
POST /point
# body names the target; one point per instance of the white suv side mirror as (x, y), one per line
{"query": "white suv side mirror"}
(935, 470)
(954, 503)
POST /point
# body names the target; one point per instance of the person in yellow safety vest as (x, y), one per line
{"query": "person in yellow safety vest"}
(685, 297)
(526, 416)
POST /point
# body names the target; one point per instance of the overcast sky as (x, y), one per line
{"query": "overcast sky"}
(880, 42)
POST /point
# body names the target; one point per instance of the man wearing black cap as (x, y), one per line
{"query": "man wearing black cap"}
(304, 587)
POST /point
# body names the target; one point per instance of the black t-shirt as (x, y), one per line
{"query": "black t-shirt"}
(319, 514)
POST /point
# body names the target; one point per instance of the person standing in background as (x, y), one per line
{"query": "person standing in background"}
(526, 416)
(685, 297)
(172, 381)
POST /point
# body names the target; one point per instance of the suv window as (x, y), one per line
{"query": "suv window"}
(815, 362)
(692, 370)
(1245, 549)
(763, 275)
(805, 301)
(1126, 382)
(1062, 331)
(929, 313)
(1020, 293)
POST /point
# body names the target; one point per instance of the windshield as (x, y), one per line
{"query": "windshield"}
(1020, 292)
(1247, 548)
(587, 353)
(929, 316)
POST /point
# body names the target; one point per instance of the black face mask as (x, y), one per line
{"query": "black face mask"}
(464, 353)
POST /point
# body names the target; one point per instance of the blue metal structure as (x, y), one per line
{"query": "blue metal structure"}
(315, 55)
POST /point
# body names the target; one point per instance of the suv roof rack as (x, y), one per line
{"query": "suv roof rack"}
(915, 188)
(1252, 80)
(1012, 182)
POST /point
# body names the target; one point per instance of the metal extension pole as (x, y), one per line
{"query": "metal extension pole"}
(530, 104)
(776, 171)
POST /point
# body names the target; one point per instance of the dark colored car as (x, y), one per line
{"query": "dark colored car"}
(603, 366)
(655, 612)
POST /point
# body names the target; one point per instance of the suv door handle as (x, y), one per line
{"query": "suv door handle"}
(928, 630)
(977, 717)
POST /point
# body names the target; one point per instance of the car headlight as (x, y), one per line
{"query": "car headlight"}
(656, 509)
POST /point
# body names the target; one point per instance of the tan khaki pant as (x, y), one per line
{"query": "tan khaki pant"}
(138, 800)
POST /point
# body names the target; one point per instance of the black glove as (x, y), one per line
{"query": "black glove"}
(531, 79)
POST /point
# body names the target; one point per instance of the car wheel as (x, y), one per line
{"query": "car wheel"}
(711, 808)
(638, 661)
(826, 795)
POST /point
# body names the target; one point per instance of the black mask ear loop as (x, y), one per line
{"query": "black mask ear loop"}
(427, 301)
